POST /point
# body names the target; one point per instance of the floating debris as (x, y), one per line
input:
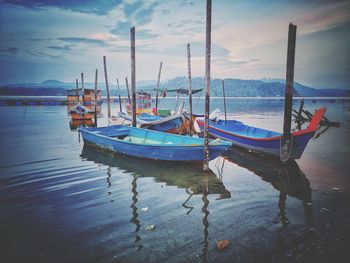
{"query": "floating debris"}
(222, 244)
(144, 209)
(150, 227)
(324, 209)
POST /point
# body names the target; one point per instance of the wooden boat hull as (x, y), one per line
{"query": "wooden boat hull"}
(76, 116)
(173, 147)
(268, 145)
(167, 124)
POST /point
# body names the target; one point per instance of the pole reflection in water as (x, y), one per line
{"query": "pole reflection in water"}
(205, 220)
(288, 179)
(109, 184)
(134, 219)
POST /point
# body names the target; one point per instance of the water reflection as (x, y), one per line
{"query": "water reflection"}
(288, 179)
(186, 176)
(134, 219)
(75, 124)
(205, 221)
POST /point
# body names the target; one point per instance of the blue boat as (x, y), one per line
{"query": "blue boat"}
(150, 144)
(171, 124)
(261, 140)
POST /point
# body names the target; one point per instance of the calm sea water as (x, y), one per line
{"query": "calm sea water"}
(63, 202)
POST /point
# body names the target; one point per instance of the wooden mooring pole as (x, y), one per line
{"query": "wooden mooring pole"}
(127, 89)
(120, 100)
(95, 100)
(133, 76)
(82, 87)
(223, 93)
(207, 87)
(160, 70)
(107, 87)
(190, 85)
(77, 89)
(287, 140)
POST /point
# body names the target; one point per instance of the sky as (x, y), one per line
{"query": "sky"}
(59, 39)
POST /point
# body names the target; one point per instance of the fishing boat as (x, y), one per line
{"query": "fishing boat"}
(171, 124)
(150, 144)
(80, 112)
(261, 140)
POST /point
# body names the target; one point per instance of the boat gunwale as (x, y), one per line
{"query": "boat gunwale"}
(222, 143)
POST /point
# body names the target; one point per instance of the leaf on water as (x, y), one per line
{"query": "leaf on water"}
(222, 244)
(150, 227)
(144, 209)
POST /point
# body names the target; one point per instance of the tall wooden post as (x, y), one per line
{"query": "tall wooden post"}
(107, 87)
(160, 70)
(286, 143)
(133, 76)
(82, 87)
(120, 101)
(223, 92)
(207, 87)
(95, 99)
(190, 84)
(77, 89)
(127, 89)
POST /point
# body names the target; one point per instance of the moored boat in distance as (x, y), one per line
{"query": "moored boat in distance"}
(150, 144)
(261, 140)
(80, 112)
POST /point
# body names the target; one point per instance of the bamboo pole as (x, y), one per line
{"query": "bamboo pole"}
(160, 70)
(77, 89)
(286, 144)
(95, 116)
(207, 86)
(223, 92)
(120, 101)
(127, 89)
(82, 87)
(133, 77)
(190, 85)
(107, 87)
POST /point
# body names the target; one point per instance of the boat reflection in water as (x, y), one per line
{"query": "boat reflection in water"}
(75, 124)
(186, 176)
(288, 179)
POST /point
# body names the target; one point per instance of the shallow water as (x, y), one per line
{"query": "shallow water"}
(63, 202)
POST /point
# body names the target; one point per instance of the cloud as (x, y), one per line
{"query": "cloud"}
(122, 29)
(42, 55)
(98, 7)
(227, 62)
(65, 48)
(9, 50)
(84, 40)
(138, 14)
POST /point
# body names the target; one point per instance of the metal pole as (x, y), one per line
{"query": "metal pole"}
(286, 143)
(107, 87)
(120, 101)
(160, 70)
(190, 84)
(223, 91)
(207, 87)
(133, 77)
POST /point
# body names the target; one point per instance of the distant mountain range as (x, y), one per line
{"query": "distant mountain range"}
(233, 88)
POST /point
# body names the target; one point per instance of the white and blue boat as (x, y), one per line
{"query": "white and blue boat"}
(151, 144)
